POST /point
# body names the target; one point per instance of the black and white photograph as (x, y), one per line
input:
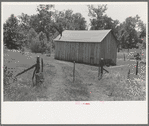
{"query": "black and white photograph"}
(78, 53)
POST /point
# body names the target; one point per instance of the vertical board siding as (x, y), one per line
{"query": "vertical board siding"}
(69, 51)
(82, 51)
(114, 53)
(85, 52)
(110, 41)
(61, 52)
(95, 53)
(66, 51)
(61, 45)
(79, 53)
(76, 52)
(73, 47)
(85, 58)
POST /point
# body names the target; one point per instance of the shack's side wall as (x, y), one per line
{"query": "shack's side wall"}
(81, 52)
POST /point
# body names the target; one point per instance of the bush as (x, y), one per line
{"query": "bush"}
(31, 36)
(39, 44)
(36, 46)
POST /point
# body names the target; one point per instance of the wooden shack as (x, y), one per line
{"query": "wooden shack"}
(86, 47)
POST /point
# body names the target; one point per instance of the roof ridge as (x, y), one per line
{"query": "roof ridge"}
(90, 30)
(83, 35)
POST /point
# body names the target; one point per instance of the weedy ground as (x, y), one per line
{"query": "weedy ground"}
(58, 84)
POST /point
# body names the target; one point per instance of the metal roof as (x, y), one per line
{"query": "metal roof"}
(82, 35)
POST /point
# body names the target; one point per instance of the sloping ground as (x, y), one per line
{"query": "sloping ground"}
(58, 84)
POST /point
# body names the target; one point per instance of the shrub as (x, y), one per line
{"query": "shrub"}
(39, 44)
(31, 36)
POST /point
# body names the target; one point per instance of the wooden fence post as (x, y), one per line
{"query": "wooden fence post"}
(137, 68)
(101, 66)
(37, 70)
(99, 70)
(124, 56)
(42, 64)
(74, 72)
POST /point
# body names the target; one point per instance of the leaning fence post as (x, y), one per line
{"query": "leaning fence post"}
(74, 72)
(37, 70)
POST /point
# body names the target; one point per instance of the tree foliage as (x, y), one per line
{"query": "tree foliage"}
(67, 20)
(99, 20)
(13, 37)
(129, 32)
(40, 29)
(126, 32)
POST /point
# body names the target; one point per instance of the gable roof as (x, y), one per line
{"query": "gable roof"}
(83, 35)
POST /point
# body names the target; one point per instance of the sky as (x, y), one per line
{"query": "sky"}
(116, 10)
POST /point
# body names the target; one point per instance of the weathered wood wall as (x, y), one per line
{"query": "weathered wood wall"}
(85, 52)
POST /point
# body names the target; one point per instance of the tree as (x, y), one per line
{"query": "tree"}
(12, 35)
(43, 20)
(129, 36)
(100, 21)
(66, 20)
(79, 22)
(96, 14)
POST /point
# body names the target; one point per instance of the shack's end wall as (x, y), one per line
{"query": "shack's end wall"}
(108, 49)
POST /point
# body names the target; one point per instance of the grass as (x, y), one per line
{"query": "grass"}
(22, 89)
(117, 86)
(58, 83)
(77, 90)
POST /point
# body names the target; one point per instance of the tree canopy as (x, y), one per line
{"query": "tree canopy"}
(48, 22)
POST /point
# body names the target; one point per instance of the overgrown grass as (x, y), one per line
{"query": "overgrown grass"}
(114, 84)
(77, 91)
(119, 87)
(22, 89)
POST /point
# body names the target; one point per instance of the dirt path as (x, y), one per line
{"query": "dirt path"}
(88, 78)
(57, 87)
